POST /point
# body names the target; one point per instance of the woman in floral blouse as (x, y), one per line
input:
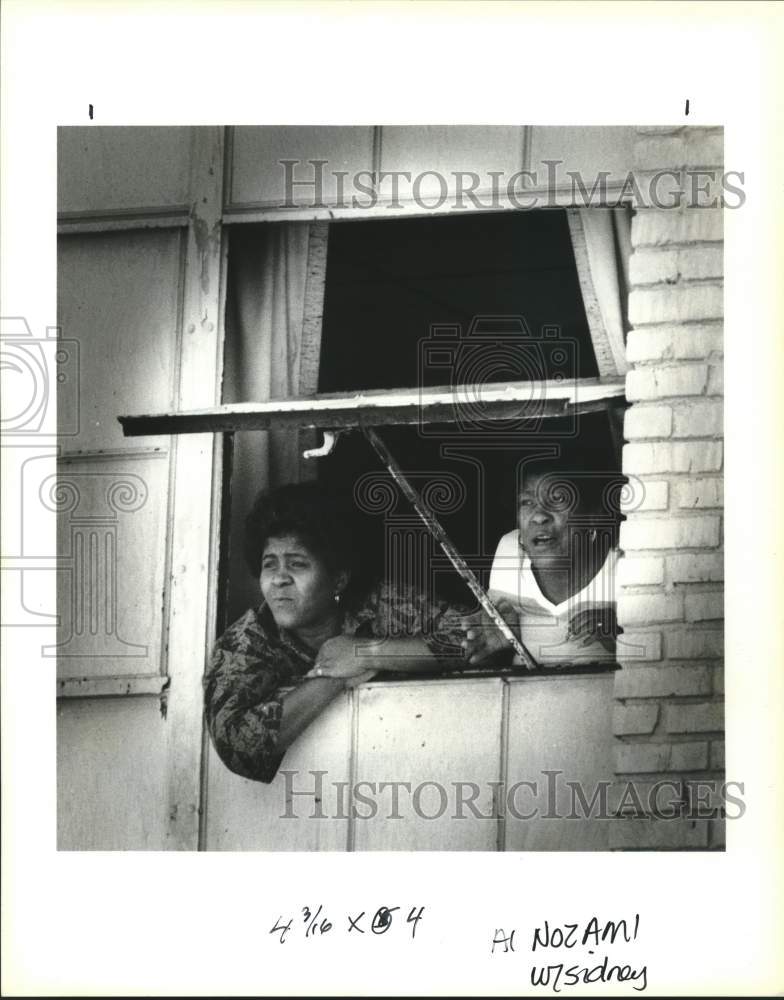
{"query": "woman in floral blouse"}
(276, 668)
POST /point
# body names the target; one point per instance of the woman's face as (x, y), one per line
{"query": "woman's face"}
(296, 584)
(543, 511)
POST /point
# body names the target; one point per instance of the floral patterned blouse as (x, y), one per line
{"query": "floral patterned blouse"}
(254, 661)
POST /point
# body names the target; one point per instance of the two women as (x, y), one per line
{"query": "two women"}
(319, 631)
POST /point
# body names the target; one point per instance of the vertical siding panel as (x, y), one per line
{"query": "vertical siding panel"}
(257, 176)
(424, 150)
(110, 772)
(193, 587)
(435, 731)
(104, 169)
(247, 815)
(558, 724)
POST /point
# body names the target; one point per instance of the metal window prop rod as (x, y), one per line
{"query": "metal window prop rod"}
(433, 525)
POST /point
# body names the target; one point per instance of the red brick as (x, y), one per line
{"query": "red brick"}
(697, 797)
(640, 572)
(699, 493)
(701, 262)
(676, 303)
(695, 644)
(647, 422)
(660, 382)
(695, 568)
(642, 458)
(632, 795)
(717, 834)
(635, 720)
(647, 494)
(669, 533)
(678, 188)
(662, 681)
(689, 342)
(695, 717)
(689, 757)
(649, 608)
(651, 266)
(628, 833)
(698, 418)
(705, 607)
(644, 758)
(659, 227)
(691, 148)
(716, 381)
(658, 129)
(637, 646)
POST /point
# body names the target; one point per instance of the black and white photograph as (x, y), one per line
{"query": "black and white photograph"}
(390, 516)
(364, 525)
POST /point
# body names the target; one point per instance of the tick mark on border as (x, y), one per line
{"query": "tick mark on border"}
(687, 106)
(91, 111)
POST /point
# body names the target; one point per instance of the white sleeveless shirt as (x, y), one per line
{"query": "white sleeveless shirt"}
(545, 626)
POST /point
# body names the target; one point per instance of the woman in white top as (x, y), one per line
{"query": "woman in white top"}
(553, 577)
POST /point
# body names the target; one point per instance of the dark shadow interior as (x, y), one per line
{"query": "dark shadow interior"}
(389, 284)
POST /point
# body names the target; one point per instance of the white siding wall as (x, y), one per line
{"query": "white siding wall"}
(140, 291)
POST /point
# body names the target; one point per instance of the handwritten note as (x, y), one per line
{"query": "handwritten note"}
(314, 922)
(567, 955)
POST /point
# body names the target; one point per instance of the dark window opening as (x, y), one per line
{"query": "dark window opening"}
(388, 284)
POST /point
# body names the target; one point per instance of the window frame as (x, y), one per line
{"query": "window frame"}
(360, 410)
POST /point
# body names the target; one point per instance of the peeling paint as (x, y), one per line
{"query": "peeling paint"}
(207, 246)
(164, 699)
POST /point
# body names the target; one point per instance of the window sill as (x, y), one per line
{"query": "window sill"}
(118, 686)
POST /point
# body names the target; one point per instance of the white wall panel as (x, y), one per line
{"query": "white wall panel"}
(447, 149)
(244, 815)
(558, 724)
(112, 562)
(257, 177)
(438, 731)
(110, 774)
(586, 149)
(128, 775)
(118, 298)
(102, 169)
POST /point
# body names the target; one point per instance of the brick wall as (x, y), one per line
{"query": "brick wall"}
(668, 719)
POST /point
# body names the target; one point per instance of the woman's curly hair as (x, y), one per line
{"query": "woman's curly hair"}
(321, 519)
